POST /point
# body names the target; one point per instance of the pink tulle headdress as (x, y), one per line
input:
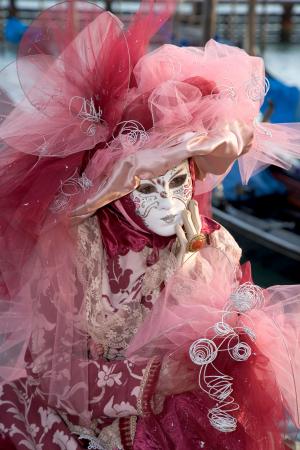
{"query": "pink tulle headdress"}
(90, 95)
(86, 114)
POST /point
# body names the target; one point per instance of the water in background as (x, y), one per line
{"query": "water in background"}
(283, 62)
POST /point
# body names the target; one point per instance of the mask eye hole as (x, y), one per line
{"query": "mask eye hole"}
(146, 189)
(178, 181)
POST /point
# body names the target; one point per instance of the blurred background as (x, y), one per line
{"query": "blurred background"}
(264, 216)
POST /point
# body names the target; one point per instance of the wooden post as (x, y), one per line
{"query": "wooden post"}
(251, 28)
(286, 22)
(209, 20)
(263, 27)
(12, 10)
(108, 5)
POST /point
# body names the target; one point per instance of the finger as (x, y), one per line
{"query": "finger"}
(188, 224)
(183, 245)
(196, 219)
(180, 234)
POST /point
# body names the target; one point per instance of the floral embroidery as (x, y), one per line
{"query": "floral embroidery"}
(118, 279)
(106, 377)
(64, 441)
(48, 418)
(3, 430)
(33, 430)
(122, 409)
(160, 272)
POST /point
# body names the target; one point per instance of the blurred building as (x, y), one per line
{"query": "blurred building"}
(246, 23)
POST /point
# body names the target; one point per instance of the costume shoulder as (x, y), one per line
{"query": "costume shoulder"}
(224, 241)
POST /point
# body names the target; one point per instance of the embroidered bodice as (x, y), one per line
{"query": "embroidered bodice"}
(121, 290)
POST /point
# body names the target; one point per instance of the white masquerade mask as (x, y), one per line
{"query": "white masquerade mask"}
(160, 201)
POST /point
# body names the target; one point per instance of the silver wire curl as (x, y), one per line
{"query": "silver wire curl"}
(203, 351)
(250, 333)
(72, 186)
(88, 113)
(221, 420)
(222, 328)
(246, 297)
(255, 89)
(241, 351)
(132, 132)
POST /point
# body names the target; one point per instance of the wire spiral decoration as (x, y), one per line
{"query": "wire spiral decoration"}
(88, 113)
(241, 352)
(224, 91)
(203, 352)
(222, 420)
(222, 329)
(72, 186)
(91, 129)
(257, 88)
(246, 297)
(250, 333)
(267, 85)
(132, 132)
(59, 204)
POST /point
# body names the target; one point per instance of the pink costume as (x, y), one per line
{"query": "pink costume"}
(93, 304)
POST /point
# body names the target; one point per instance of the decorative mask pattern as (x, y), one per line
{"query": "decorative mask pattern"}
(160, 201)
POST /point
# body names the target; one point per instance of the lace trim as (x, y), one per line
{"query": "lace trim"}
(110, 435)
(94, 443)
(127, 431)
(90, 254)
(147, 387)
(121, 326)
(133, 421)
(92, 429)
(100, 444)
(112, 330)
(160, 272)
(106, 439)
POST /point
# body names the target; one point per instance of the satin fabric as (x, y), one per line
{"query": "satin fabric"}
(214, 154)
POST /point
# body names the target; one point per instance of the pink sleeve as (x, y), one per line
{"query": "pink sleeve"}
(121, 388)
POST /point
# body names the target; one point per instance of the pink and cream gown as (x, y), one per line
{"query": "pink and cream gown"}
(121, 292)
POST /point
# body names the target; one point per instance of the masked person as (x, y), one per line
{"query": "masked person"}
(126, 319)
